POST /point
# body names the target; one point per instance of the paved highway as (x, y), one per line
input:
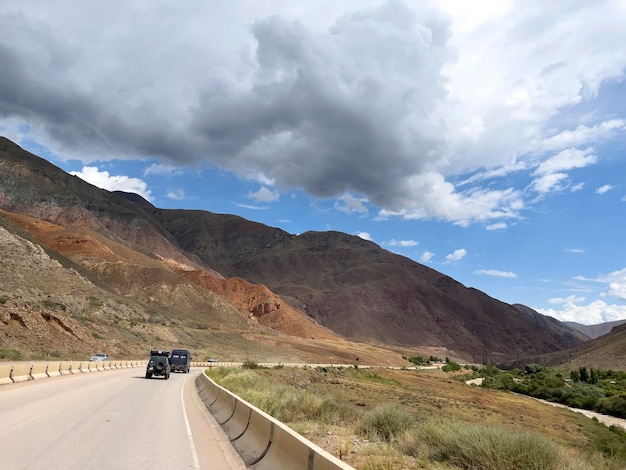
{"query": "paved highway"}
(115, 420)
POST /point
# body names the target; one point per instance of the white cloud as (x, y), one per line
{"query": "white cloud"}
(497, 226)
(104, 180)
(591, 314)
(456, 255)
(616, 282)
(597, 311)
(349, 204)
(364, 236)
(162, 170)
(402, 243)
(566, 160)
(574, 250)
(176, 194)
(495, 273)
(264, 194)
(583, 135)
(254, 208)
(549, 183)
(427, 256)
(438, 199)
(604, 189)
(568, 300)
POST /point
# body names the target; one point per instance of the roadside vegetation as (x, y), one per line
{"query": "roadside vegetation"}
(603, 391)
(387, 419)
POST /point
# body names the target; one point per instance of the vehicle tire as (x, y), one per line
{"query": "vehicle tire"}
(167, 376)
(148, 375)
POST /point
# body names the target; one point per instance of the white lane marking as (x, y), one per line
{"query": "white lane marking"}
(194, 454)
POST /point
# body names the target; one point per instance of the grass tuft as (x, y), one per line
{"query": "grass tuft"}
(478, 446)
(387, 422)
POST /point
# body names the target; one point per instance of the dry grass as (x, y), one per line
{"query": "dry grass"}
(378, 419)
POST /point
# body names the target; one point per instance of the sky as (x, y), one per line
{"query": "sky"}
(484, 139)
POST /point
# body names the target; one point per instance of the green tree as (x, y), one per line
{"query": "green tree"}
(451, 366)
(533, 368)
(584, 375)
(491, 370)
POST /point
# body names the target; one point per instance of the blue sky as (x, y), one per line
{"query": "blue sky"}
(486, 140)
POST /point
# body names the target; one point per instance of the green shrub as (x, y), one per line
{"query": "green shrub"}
(387, 422)
(248, 364)
(451, 366)
(417, 360)
(470, 446)
(11, 354)
(52, 305)
(609, 440)
(614, 406)
(285, 403)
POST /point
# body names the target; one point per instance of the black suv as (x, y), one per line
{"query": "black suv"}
(159, 364)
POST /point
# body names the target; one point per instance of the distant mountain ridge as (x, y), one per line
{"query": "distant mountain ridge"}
(604, 352)
(595, 331)
(341, 286)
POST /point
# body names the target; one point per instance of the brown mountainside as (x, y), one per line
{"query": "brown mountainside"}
(241, 274)
(595, 331)
(365, 292)
(604, 352)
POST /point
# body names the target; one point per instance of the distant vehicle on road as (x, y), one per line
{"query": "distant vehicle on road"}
(213, 359)
(99, 357)
(159, 364)
(180, 360)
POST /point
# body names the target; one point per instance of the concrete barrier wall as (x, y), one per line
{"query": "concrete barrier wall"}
(224, 408)
(66, 368)
(236, 426)
(38, 370)
(263, 442)
(5, 374)
(53, 369)
(23, 371)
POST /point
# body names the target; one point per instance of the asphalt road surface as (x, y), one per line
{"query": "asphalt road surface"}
(115, 420)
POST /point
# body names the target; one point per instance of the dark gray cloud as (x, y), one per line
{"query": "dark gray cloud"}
(349, 110)
(381, 100)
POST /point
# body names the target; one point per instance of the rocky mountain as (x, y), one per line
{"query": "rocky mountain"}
(194, 271)
(604, 352)
(595, 331)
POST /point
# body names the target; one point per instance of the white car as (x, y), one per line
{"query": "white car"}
(99, 357)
